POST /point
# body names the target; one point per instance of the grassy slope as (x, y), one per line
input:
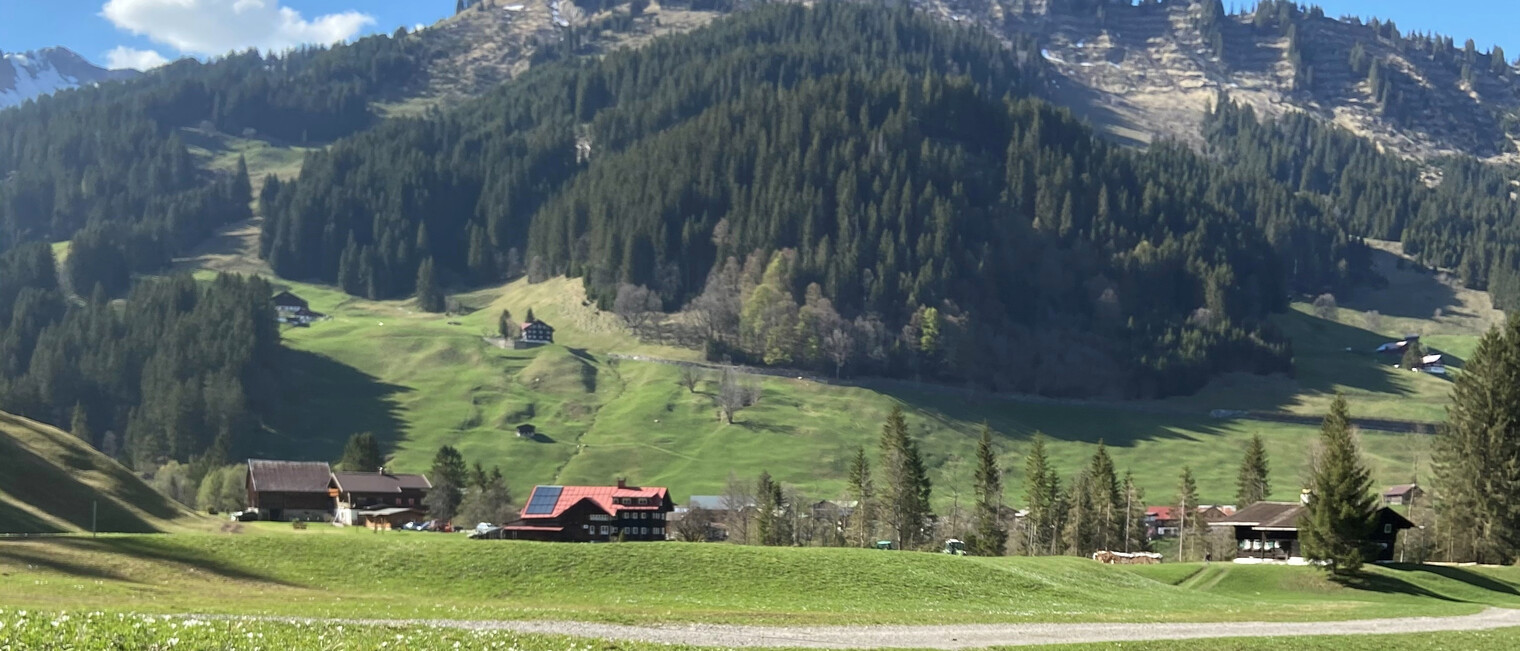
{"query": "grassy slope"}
(49, 481)
(399, 575)
(419, 382)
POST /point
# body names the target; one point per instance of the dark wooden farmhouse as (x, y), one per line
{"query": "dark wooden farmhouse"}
(1267, 532)
(290, 490)
(593, 514)
(288, 302)
(358, 493)
(537, 332)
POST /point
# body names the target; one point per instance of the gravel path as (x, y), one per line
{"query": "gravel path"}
(955, 637)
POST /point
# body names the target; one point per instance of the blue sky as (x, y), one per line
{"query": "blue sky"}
(94, 28)
(145, 32)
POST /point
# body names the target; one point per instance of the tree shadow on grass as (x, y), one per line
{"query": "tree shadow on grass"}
(149, 548)
(326, 402)
(50, 562)
(1385, 584)
(1474, 579)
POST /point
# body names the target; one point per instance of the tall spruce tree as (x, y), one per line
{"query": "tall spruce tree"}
(1477, 451)
(1077, 534)
(989, 537)
(905, 485)
(1106, 500)
(1342, 508)
(863, 492)
(429, 294)
(361, 454)
(1135, 538)
(1187, 515)
(767, 506)
(79, 424)
(1253, 485)
(448, 476)
(1042, 493)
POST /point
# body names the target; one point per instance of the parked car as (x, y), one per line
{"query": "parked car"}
(250, 515)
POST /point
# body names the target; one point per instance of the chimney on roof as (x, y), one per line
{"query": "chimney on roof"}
(622, 483)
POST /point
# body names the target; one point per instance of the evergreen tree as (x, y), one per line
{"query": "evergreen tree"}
(1135, 538)
(863, 492)
(989, 537)
(1477, 451)
(1414, 355)
(1042, 489)
(504, 325)
(1188, 530)
(1252, 484)
(79, 424)
(448, 476)
(361, 454)
(767, 506)
(1342, 509)
(1106, 500)
(1077, 534)
(429, 296)
(906, 488)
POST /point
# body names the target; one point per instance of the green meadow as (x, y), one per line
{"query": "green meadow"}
(401, 575)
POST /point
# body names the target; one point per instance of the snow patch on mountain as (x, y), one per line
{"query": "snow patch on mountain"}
(28, 75)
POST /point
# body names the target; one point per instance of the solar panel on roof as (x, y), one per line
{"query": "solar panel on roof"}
(543, 500)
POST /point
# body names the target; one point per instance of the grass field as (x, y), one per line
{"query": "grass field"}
(419, 382)
(86, 631)
(360, 574)
(51, 482)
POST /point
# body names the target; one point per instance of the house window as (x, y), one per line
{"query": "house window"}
(1387, 528)
(605, 531)
(411, 501)
(659, 531)
(643, 501)
(643, 531)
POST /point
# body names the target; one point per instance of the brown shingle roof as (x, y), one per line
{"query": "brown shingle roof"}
(289, 476)
(1265, 515)
(374, 482)
(1400, 490)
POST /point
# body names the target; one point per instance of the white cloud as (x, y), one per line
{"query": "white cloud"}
(123, 57)
(210, 27)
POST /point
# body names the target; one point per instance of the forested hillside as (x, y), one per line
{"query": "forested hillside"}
(178, 370)
(105, 164)
(1468, 220)
(946, 219)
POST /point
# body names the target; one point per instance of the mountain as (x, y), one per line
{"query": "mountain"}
(28, 75)
(50, 481)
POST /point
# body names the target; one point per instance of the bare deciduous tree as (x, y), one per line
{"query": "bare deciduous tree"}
(538, 270)
(636, 305)
(839, 347)
(738, 507)
(1325, 306)
(689, 378)
(736, 393)
(695, 525)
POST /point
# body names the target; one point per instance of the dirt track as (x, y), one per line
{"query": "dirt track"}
(960, 637)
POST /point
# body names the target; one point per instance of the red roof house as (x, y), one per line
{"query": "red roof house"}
(592, 514)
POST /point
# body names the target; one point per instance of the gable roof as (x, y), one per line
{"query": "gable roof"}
(288, 299)
(1401, 490)
(289, 476)
(540, 325)
(601, 496)
(1162, 512)
(377, 482)
(1266, 515)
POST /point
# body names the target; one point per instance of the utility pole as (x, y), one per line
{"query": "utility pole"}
(94, 518)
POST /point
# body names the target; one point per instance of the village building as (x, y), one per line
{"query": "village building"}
(1166, 521)
(362, 495)
(1403, 495)
(293, 310)
(289, 490)
(526, 431)
(1267, 532)
(536, 333)
(593, 514)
